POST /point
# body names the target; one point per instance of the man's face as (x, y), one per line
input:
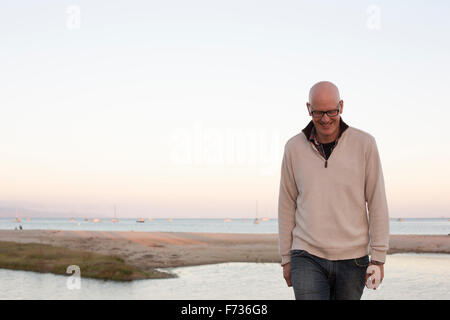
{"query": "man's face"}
(327, 125)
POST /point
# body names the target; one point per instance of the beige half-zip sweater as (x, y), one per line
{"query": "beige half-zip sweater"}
(323, 209)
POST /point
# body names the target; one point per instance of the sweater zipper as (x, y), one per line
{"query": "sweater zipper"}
(331, 151)
(323, 151)
(321, 146)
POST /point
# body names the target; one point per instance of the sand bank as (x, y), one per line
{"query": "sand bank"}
(149, 250)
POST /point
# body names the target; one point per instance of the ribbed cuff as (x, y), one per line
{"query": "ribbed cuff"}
(285, 259)
(378, 255)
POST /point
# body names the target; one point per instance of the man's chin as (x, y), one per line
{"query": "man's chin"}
(327, 129)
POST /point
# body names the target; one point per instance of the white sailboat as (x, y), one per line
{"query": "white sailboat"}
(256, 221)
(17, 219)
(115, 220)
(140, 220)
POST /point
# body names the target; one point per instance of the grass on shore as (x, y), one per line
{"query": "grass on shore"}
(49, 259)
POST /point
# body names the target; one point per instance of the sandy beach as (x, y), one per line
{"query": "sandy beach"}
(149, 250)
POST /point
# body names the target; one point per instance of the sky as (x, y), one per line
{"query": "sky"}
(180, 109)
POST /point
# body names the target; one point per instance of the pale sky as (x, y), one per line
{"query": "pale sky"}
(182, 108)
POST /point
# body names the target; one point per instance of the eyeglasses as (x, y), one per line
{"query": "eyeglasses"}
(330, 113)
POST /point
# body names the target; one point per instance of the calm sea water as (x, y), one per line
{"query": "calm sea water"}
(407, 226)
(407, 276)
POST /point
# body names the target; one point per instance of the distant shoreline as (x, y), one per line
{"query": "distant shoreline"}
(150, 250)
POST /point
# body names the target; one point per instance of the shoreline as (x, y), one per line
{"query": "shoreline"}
(150, 250)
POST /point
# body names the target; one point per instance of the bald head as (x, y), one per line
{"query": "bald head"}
(324, 93)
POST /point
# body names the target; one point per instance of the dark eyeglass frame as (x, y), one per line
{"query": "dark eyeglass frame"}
(319, 114)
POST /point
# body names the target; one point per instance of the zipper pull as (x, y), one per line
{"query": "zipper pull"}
(326, 163)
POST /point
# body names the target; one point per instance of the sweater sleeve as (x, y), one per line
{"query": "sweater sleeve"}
(375, 195)
(287, 205)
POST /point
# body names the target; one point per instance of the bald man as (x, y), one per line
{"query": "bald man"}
(332, 208)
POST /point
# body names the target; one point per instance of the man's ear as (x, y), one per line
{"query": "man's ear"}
(342, 105)
(308, 107)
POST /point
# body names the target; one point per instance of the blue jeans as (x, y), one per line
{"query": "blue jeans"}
(315, 278)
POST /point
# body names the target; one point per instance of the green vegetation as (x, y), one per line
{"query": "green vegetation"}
(46, 258)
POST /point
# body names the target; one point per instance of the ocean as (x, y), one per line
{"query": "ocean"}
(439, 226)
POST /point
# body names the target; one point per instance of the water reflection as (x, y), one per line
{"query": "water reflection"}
(407, 276)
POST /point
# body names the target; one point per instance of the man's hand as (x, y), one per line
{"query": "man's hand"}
(381, 267)
(287, 274)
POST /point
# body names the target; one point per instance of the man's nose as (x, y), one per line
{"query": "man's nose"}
(325, 117)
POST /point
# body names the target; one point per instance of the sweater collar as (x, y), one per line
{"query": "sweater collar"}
(310, 131)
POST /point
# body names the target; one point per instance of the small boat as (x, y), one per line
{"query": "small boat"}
(96, 220)
(72, 220)
(227, 220)
(265, 219)
(140, 220)
(114, 220)
(170, 219)
(256, 221)
(86, 219)
(150, 219)
(17, 219)
(400, 220)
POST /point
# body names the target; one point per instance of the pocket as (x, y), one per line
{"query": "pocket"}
(362, 262)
